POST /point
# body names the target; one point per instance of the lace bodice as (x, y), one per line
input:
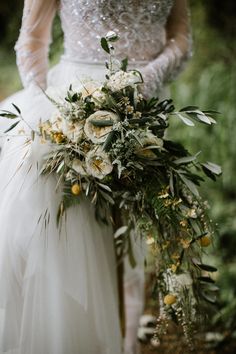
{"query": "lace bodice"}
(154, 32)
(140, 24)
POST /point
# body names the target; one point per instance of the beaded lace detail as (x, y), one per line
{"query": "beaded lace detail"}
(153, 32)
(140, 24)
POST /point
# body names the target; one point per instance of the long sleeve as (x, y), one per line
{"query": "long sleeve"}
(177, 50)
(33, 43)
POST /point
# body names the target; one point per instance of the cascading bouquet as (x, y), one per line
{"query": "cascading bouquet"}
(108, 144)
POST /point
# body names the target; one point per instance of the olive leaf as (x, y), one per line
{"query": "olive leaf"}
(105, 45)
(12, 126)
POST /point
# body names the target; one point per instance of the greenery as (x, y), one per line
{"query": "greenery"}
(209, 81)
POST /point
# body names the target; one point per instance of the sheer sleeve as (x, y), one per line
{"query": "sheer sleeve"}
(177, 50)
(33, 43)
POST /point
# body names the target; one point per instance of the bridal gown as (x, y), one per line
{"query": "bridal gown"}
(58, 290)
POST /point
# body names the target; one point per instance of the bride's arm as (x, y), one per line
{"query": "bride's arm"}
(33, 43)
(176, 51)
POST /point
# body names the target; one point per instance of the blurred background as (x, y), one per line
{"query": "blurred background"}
(209, 82)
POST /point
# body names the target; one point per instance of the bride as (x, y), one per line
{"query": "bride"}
(58, 291)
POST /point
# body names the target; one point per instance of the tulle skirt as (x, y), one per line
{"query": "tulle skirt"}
(58, 290)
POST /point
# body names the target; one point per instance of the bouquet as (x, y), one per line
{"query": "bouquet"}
(108, 143)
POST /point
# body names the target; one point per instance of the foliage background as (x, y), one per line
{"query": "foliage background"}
(209, 82)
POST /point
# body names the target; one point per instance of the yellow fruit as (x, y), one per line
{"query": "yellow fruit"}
(205, 241)
(75, 189)
(169, 299)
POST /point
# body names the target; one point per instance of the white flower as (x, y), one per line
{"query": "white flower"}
(98, 163)
(112, 36)
(89, 87)
(98, 134)
(98, 97)
(79, 167)
(72, 130)
(56, 121)
(149, 141)
(122, 79)
(93, 89)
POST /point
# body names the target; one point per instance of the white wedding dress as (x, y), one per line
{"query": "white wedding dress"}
(58, 291)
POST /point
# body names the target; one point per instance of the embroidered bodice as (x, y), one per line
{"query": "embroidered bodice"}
(154, 32)
(140, 25)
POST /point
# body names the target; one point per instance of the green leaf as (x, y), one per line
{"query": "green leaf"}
(189, 108)
(216, 169)
(191, 186)
(32, 135)
(211, 112)
(208, 173)
(105, 45)
(102, 123)
(107, 197)
(202, 266)
(109, 140)
(175, 148)
(132, 260)
(12, 126)
(209, 297)
(120, 231)
(171, 184)
(60, 213)
(105, 187)
(185, 119)
(124, 64)
(16, 108)
(203, 118)
(206, 280)
(61, 165)
(186, 159)
(9, 115)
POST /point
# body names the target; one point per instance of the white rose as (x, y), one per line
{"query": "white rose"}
(79, 167)
(122, 79)
(149, 141)
(98, 163)
(99, 134)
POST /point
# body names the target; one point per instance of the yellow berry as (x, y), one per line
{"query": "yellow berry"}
(205, 241)
(169, 299)
(75, 189)
(58, 137)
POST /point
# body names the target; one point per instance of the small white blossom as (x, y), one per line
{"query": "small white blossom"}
(122, 79)
(72, 130)
(98, 97)
(112, 36)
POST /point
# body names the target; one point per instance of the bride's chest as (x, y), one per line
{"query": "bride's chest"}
(117, 12)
